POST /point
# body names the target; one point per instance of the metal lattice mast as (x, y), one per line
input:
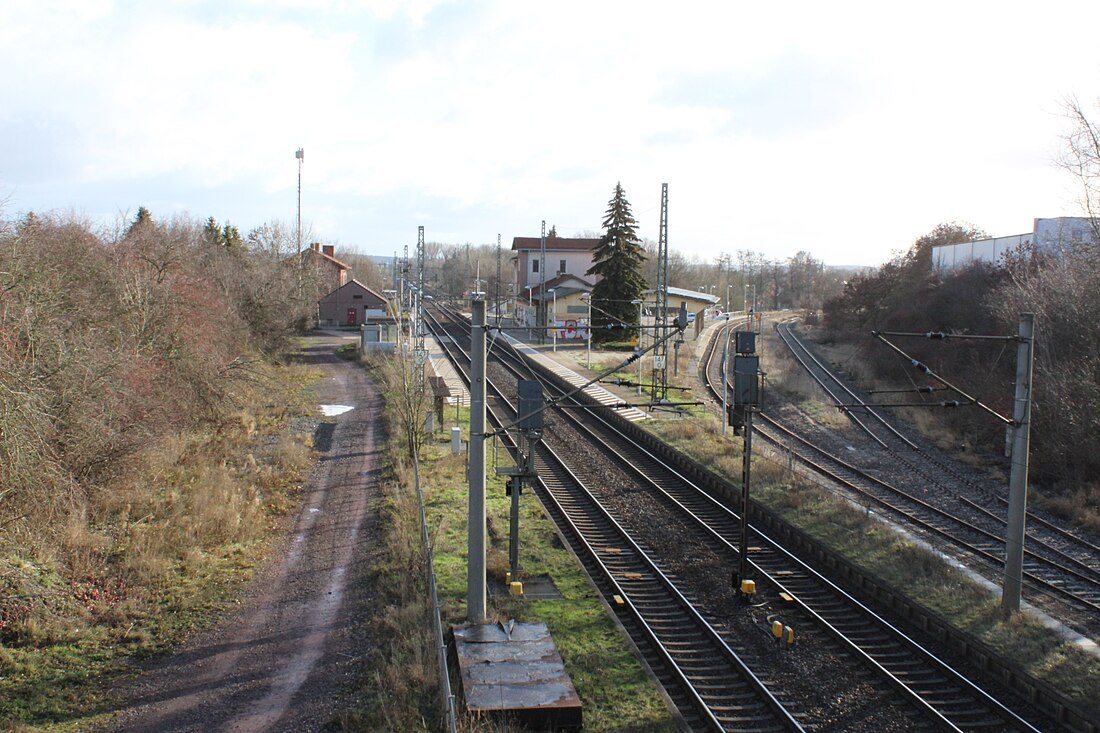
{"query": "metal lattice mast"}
(420, 288)
(498, 278)
(421, 352)
(406, 292)
(660, 353)
(544, 317)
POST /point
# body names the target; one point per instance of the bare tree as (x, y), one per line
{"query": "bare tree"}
(1081, 157)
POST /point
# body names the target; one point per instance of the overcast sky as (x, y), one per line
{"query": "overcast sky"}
(843, 129)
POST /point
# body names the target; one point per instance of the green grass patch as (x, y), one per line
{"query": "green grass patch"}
(616, 693)
(402, 692)
(615, 345)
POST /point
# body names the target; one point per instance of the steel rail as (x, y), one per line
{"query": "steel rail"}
(653, 603)
(789, 336)
(1087, 595)
(931, 685)
(951, 700)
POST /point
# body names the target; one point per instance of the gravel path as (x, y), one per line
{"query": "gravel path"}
(290, 658)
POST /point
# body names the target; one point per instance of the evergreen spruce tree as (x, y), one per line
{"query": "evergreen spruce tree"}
(141, 223)
(231, 238)
(212, 232)
(618, 260)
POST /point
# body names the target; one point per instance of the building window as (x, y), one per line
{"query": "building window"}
(534, 265)
(562, 268)
(357, 297)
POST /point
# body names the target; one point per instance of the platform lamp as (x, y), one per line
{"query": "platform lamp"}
(554, 316)
(587, 298)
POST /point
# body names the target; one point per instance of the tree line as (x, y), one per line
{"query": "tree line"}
(110, 339)
(799, 282)
(906, 295)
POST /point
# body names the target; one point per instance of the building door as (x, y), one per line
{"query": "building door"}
(351, 317)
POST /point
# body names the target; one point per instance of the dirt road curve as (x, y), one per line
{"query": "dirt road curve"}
(289, 659)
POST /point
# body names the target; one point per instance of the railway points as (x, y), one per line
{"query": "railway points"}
(681, 574)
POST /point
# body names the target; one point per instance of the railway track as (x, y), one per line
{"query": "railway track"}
(941, 697)
(1057, 564)
(711, 685)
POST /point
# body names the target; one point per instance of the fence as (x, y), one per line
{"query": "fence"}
(447, 698)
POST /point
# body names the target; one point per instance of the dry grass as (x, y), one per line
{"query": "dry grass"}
(403, 693)
(855, 533)
(1081, 506)
(144, 557)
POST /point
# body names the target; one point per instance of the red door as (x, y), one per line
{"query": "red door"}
(351, 317)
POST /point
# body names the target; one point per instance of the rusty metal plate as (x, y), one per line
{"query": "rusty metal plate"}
(515, 668)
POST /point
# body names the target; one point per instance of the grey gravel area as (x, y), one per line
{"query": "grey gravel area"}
(827, 695)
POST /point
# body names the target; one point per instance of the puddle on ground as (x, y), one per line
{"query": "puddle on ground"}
(334, 410)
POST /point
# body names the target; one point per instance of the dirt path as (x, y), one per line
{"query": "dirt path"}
(290, 658)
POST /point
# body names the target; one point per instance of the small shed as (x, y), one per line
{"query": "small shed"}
(351, 305)
(695, 301)
(565, 304)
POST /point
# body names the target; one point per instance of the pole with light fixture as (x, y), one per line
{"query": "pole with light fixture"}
(588, 329)
(554, 316)
(300, 154)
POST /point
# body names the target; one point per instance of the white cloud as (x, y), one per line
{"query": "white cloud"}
(844, 129)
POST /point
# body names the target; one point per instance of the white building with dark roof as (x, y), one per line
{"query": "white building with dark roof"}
(564, 256)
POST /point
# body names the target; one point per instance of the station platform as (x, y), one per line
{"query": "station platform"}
(595, 391)
(441, 366)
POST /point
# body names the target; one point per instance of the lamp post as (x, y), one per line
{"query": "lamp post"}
(554, 317)
(300, 154)
(752, 327)
(588, 328)
(725, 378)
(727, 303)
(639, 303)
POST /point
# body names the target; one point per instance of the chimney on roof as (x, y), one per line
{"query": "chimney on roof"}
(315, 246)
(329, 249)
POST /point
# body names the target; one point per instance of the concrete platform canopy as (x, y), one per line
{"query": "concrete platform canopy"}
(514, 669)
